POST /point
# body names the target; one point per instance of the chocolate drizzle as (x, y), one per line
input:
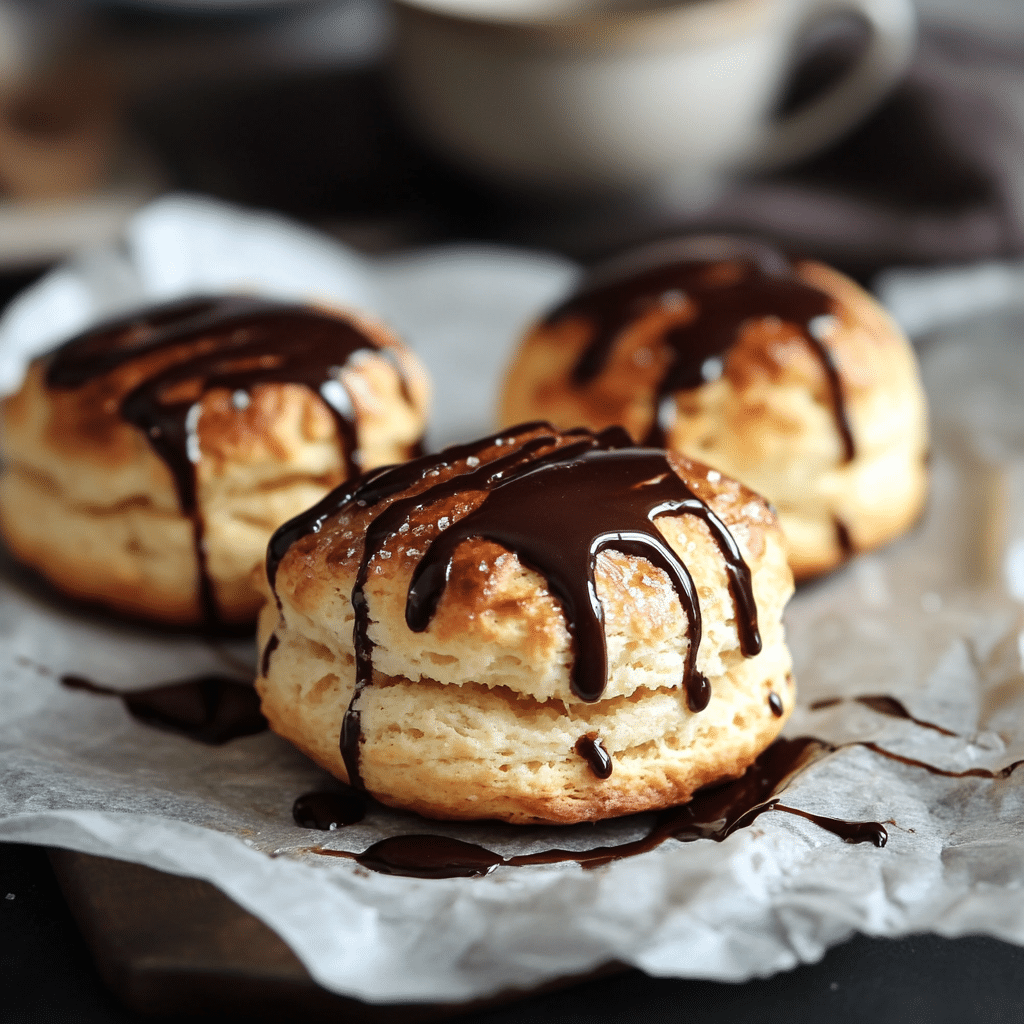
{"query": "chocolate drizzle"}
(712, 814)
(594, 752)
(883, 705)
(211, 709)
(849, 831)
(617, 493)
(946, 773)
(329, 809)
(556, 501)
(484, 477)
(723, 284)
(846, 546)
(268, 653)
(193, 346)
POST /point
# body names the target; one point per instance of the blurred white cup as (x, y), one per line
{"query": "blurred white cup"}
(592, 96)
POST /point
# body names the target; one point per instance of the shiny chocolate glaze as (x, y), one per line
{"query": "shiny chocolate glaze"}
(211, 709)
(726, 283)
(199, 344)
(593, 751)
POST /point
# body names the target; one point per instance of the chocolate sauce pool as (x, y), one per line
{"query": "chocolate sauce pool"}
(712, 814)
(211, 709)
(745, 281)
(329, 809)
(231, 342)
(556, 501)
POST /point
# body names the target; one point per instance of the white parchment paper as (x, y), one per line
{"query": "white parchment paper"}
(934, 620)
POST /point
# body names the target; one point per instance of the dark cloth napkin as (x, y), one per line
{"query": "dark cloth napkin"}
(936, 175)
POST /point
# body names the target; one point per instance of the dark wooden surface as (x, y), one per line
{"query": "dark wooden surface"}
(191, 947)
(169, 946)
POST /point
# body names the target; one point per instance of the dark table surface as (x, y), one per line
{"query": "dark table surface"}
(47, 975)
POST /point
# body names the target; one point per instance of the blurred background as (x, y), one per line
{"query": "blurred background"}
(293, 106)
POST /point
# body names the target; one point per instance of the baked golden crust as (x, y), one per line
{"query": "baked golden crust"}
(769, 420)
(87, 501)
(475, 717)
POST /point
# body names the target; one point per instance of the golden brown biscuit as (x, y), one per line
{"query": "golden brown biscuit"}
(507, 631)
(149, 459)
(787, 377)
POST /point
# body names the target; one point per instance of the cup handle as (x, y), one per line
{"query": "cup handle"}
(892, 27)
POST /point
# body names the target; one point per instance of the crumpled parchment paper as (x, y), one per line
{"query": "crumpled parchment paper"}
(934, 620)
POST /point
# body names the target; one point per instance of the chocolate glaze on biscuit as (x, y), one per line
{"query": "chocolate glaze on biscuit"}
(184, 349)
(748, 280)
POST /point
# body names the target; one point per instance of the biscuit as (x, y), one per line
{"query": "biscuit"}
(787, 376)
(534, 627)
(149, 459)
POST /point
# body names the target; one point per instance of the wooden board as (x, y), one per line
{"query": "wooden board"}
(168, 945)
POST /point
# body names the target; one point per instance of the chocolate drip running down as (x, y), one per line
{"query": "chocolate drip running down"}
(210, 709)
(268, 653)
(594, 752)
(746, 282)
(846, 546)
(712, 814)
(556, 501)
(195, 345)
